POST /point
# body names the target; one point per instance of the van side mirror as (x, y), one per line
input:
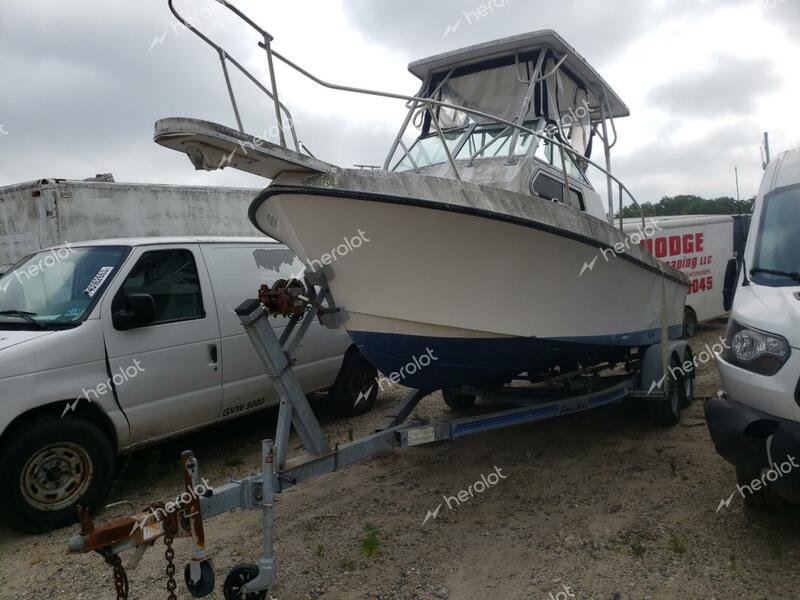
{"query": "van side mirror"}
(731, 279)
(140, 311)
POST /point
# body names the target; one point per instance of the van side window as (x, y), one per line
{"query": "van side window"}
(170, 277)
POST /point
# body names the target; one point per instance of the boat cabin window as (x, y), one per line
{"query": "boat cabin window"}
(550, 188)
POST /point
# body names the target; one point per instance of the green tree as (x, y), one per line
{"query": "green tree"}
(691, 205)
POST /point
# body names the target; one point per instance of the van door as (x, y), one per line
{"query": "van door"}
(167, 373)
(237, 271)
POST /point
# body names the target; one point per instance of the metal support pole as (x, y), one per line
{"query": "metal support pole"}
(273, 82)
(267, 564)
(222, 59)
(607, 149)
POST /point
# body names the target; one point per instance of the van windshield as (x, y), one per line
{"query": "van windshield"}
(57, 288)
(778, 244)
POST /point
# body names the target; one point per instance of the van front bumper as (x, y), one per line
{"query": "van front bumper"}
(755, 441)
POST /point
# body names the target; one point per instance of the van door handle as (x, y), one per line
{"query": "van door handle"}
(213, 354)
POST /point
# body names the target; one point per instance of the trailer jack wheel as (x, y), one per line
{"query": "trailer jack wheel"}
(205, 585)
(239, 575)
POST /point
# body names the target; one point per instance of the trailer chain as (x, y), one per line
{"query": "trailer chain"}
(120, 578)
(169, 554)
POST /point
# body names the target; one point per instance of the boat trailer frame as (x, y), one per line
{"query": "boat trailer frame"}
(303, 304)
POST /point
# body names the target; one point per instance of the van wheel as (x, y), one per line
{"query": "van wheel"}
(689, 322)
(666, 411)
(356, 388)
(50, 466)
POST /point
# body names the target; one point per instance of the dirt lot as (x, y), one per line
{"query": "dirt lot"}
(596, 505)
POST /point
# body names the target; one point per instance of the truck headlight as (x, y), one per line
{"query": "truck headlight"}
(757, 351)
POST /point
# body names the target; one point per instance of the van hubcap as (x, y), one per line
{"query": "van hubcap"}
(56, 476)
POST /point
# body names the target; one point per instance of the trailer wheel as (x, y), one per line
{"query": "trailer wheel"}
(49, 467)
(356, 388)
(458, 400)
(205, 585)
(239, 575)
(689, 322)
(666, 411)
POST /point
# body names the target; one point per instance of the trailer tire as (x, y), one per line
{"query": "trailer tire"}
(239, 575)
(355, 390)
(666, 412)
(458, 400)
(49, 467)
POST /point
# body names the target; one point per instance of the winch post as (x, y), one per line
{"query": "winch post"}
(268, 347)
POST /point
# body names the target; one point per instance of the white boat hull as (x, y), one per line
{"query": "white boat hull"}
(484, 297)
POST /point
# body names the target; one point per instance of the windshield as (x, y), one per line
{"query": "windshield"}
(58, 287)
(778, 243)
(486, 141)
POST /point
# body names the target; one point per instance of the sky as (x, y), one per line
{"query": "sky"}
(84, 81)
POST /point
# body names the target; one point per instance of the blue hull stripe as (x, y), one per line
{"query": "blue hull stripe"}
(431, 363)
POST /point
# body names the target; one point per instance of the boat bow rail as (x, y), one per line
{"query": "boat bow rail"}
(428, 107)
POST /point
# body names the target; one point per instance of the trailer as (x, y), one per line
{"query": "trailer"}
(52, 212)
(659, 376)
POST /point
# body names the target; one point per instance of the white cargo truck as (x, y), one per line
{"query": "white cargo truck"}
(48, 212)
(698, 245)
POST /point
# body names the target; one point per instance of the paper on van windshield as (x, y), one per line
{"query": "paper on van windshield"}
(98, 281)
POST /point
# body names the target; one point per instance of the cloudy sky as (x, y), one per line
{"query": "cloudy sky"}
(84, 81)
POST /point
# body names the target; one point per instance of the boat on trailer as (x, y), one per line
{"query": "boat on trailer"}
(482, 242)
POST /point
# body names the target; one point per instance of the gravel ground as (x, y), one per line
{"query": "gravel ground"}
(596, 505)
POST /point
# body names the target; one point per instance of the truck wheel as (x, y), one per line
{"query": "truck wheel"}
(356, 388)
(50, 466)
(666, 411)
(764, 498)
(689, 322)
(458, 400)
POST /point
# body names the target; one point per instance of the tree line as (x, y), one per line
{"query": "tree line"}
(692, 205)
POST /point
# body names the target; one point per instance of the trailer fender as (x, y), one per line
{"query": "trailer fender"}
(652, 376)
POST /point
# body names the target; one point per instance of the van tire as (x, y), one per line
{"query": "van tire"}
(356, 387)
(54, 443)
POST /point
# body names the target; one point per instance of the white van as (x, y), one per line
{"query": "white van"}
(108, 346)
(755, 423)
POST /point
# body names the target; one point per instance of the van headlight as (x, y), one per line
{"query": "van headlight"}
(757, 351)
